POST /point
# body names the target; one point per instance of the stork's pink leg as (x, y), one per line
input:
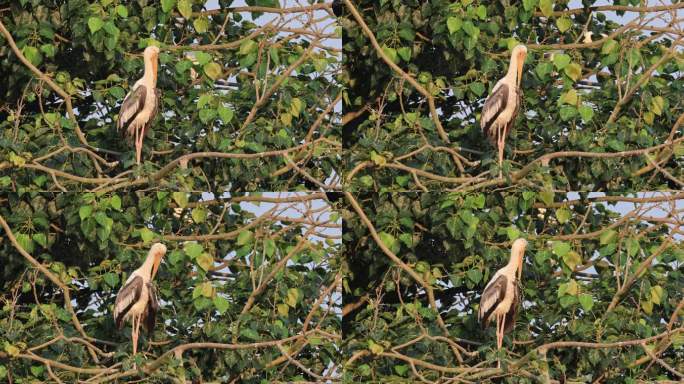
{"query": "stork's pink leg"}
(138, 145)
(502, 145)
(135, 335)
(499, 332)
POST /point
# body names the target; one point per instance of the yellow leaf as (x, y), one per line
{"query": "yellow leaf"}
(286, 119)
(283, 309)
(11, 350)
(647, 306)
(573, 288)
(296, 107)
(657, 105)
(569, 97)
(375, 347)
(292, 297)
(656, 294)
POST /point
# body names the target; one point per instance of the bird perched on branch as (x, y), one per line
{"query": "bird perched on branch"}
(137, 300)
(502, 105)
(140, 105)
(501, 296)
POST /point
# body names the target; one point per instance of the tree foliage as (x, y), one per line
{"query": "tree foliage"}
(255, 275)
(247, 103)
(599, 111)
(598, 270)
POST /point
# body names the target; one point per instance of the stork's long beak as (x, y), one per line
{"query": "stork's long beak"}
(521, 62)
(154, 68)
(155, 267)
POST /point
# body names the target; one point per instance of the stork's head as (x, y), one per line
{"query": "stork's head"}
(151, 55)
(151, 52)
(157, 251)
(517, 253)
(518, 56)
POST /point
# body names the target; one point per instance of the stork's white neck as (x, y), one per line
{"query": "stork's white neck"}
(146, 268)
(512, 73)
(150, 75)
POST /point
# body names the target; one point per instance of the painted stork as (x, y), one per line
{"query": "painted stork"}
(137, 299)
(501, 296)
(140, 104)
(501, 107)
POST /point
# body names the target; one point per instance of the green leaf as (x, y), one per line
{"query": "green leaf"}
(202, 58)
(146, 235)
(567, 301)
(477, 88)
(475, 275)
(32, 55)
(205, 261)
(221, 304)
(586, 112)
(560, 248)
(608, 237)
(181, 198)
(207, 115)
(481, 12)
(112, 279)
(390, 242)
(40, 238)
(586, 301)
(390, 52)
(247, 47)
(95, 24)
(201, 24)
(471, 29)
(513, 232)
(85, 211)
(529, 5)
(546, 7)
(122, 11)
(561, 60)
(244, 237)
(567, 113)
(542, 69)
(269, 247)
(454, 24)
(404, 53)
(193, 250)
(546, 196)
(249, 333)
(574, 71)
(185, 8)
(199, 215)
(563, 215)
(25, 242)
(563, 24)
(115, 202)
(167, 5)
(213, 70)
(401, 369)
(609, 46)
(226, 114)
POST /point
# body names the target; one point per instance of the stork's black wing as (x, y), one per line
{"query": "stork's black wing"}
(152, 308)
(493, 293)
(126, 298)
